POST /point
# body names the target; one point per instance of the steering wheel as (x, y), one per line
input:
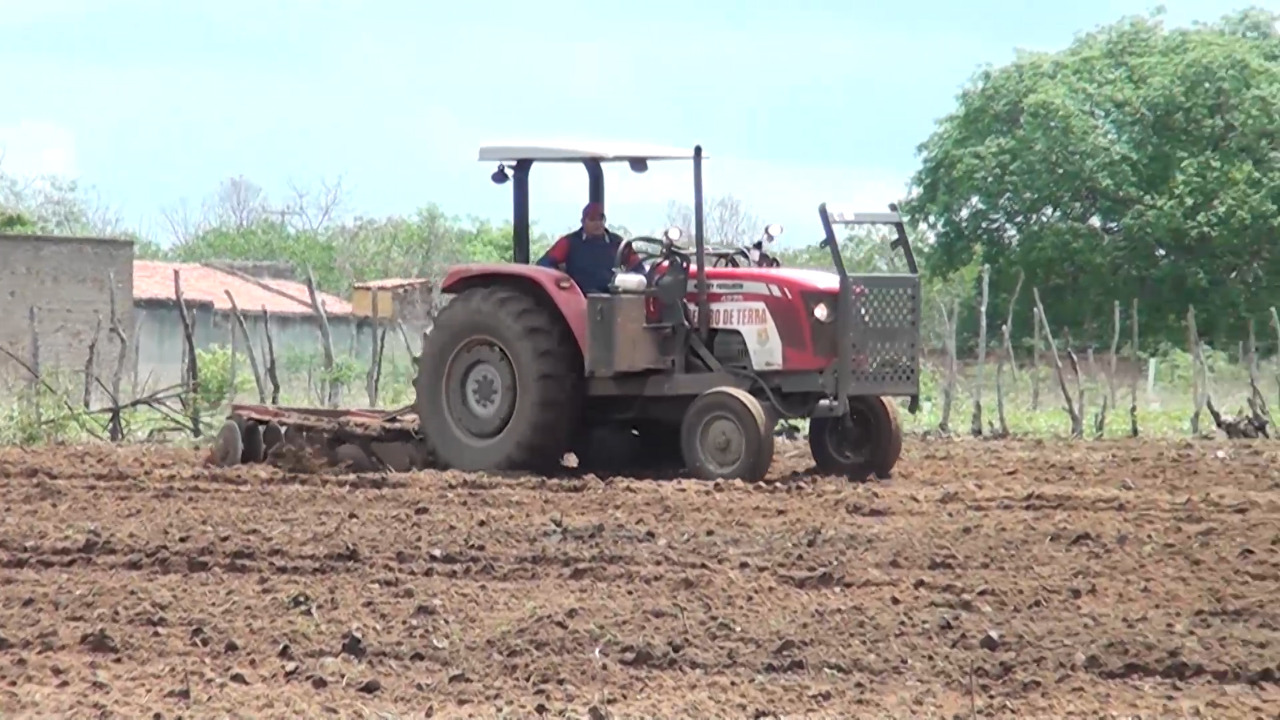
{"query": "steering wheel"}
(727, 258)
(667, 250)
(626, 245)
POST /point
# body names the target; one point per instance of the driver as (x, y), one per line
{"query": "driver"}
(587, 254)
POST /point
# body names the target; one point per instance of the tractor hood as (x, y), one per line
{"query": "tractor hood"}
(802, 279)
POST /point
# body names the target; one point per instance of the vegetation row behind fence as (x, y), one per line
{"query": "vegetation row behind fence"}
(1050, 390)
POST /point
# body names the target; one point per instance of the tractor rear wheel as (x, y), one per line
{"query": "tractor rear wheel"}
(865, 442)
(725, 434)
(499, 383)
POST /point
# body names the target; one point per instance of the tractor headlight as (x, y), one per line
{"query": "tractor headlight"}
(821, 312)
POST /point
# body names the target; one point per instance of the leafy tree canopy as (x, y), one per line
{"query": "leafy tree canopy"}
(1138, 162)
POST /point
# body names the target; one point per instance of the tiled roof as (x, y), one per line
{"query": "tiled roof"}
(153, 280)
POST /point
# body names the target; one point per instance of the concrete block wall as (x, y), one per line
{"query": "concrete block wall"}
(66, 280)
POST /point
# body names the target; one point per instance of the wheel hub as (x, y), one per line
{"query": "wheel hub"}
(480, 389)
(850, 438)
(722, 442)
(484, 389)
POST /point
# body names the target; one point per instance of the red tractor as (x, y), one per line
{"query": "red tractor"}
(685, 363)
(689, 364)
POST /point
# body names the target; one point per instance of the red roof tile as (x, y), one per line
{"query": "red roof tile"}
(333, 304)
(153, 280)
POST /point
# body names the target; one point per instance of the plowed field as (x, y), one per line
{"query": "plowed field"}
(1017, 579)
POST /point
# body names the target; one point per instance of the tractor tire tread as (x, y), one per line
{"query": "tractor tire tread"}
(753, 469)
(886, 445)
(551, 378)
(893, 448)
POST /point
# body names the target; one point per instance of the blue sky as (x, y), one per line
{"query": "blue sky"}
(796, 102)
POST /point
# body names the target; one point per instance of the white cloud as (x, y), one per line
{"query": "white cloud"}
(32, 148)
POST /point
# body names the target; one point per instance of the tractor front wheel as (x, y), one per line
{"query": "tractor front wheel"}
(725, 434)
(498, 383)
(865, 442)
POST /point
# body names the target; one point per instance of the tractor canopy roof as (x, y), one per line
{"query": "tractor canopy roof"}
(580, 150)
(592, 154)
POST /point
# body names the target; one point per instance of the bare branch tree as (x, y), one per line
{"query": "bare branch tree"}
(59, 206)
(184, 223)
(238, 204)
(312, 210)
(726, 220)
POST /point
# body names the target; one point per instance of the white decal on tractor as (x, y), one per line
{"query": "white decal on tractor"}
(744, 287)
(753, 320)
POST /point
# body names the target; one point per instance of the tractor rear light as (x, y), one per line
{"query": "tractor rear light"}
(564, 283)
(822, 312)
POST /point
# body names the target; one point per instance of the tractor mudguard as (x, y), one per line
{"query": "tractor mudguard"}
(556, 285)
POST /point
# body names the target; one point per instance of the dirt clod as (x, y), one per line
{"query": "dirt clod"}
(990, 641)
(99, 641)
(142, 580)
(353, 645)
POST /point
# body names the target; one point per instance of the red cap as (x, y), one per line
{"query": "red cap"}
(593, 211)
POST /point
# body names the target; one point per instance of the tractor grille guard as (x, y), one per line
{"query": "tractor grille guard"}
(877, 318)
(886, 334)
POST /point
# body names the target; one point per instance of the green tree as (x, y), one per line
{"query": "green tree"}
(13, 222)
(1138, 162)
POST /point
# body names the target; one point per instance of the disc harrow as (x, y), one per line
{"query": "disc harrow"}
(360, 440)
